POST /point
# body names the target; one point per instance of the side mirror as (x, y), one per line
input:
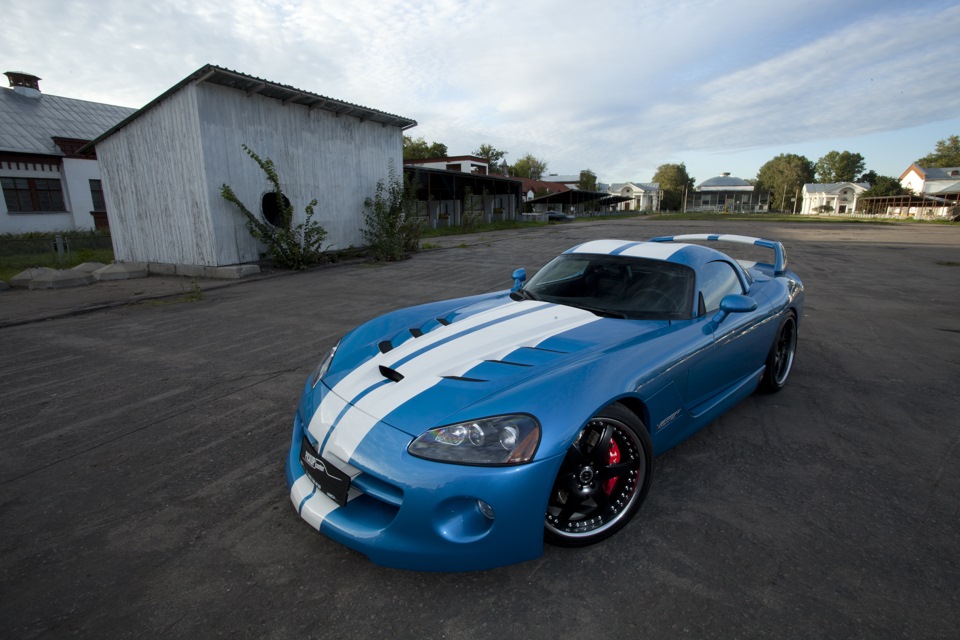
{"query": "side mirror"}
(734, 303)
(519, 277)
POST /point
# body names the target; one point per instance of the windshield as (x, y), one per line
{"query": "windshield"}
(620, 286)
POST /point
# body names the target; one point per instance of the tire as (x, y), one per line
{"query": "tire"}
(602, 481)
(782, 353)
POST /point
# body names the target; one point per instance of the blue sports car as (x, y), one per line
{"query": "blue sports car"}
(459, 435)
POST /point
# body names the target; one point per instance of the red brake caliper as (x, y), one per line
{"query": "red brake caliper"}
(614, 459)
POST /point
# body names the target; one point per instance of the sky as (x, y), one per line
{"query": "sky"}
(617, 87)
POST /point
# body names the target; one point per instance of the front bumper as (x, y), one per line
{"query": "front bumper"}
(410, 513)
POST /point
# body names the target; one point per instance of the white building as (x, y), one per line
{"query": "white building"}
(47, 185)
(163, 167)
(463, 164)
(643, 196)
(931, 181)
(838, 197)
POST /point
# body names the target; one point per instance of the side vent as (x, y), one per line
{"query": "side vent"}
(443, 321)
(462, 379)
(391, 374)
(416, 332)
(385, 346)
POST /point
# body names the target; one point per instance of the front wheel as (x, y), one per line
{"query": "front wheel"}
(602, 481)
(780, 359)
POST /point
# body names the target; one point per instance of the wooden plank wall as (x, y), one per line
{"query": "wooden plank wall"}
(152, 172)
(163, 173)
(337, 160)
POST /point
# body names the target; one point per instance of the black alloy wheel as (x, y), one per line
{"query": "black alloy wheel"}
(780, 359)
(602, 481)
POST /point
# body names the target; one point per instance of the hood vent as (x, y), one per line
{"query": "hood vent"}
(391, 374)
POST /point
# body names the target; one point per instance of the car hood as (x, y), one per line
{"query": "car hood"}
(415, 368)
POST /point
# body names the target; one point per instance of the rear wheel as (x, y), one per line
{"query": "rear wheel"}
(602, 481)
(780, 358)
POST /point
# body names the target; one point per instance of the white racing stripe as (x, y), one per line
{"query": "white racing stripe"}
(317, 508)
(600, 246)
(449, 359)
(368, 373)
(654, 250)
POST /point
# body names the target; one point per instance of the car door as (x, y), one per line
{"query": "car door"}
(737, 349)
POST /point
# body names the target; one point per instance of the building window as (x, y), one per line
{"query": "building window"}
(96, 194)
(29, 195)
(273, 207)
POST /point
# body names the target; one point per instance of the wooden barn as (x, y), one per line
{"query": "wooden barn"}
(163, 166)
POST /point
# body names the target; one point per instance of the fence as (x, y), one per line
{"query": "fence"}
(60, 248)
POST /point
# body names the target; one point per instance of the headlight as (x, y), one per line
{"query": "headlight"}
(500, 440)
(321, 369)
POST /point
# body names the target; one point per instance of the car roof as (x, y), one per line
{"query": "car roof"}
(691, 255)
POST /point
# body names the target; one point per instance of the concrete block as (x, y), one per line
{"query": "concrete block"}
(89, 267)
(233, 272)
(192, 270)
(57, 279)
(162, 269)
(121, 271)
(23, 278)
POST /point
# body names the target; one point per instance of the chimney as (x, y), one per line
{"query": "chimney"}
(24, 84)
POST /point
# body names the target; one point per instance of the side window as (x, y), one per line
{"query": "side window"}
(717, 279)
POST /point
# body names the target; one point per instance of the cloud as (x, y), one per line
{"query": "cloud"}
(618, 86)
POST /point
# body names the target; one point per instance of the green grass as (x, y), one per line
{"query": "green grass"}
(25, 251)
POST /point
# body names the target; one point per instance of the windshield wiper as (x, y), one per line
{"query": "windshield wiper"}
(523, 294)
(604, 313)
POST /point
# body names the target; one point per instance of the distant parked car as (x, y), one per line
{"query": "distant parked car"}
(559, 216)
(458, 435)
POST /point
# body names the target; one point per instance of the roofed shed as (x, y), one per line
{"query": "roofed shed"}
(163, 167)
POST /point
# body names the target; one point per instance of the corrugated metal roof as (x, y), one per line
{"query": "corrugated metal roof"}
(283, 93)
(940, 173)
(27, 125)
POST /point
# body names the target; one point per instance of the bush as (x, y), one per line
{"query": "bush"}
(289, 247)
(393, 225)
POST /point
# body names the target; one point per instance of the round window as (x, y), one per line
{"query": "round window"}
(271, 209)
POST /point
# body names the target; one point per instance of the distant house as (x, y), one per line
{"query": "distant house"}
(727, 193)
(838, 197)
(47, 184)
(163, 166)
(932, 181)
(569, 181)
(638, 196)
(460, 189)
(463, 164)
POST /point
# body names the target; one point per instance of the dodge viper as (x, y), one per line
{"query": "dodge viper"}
(460, 435)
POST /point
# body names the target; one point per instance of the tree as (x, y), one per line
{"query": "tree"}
(492, 155)
(588, 181)
(870, 177)
(784, 176)
(839, 166)
(674, 180)
(947, 154)
(885, 186)
(418, 149)
(529, 167)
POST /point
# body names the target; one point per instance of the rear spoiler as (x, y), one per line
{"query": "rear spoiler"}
(780, 260)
